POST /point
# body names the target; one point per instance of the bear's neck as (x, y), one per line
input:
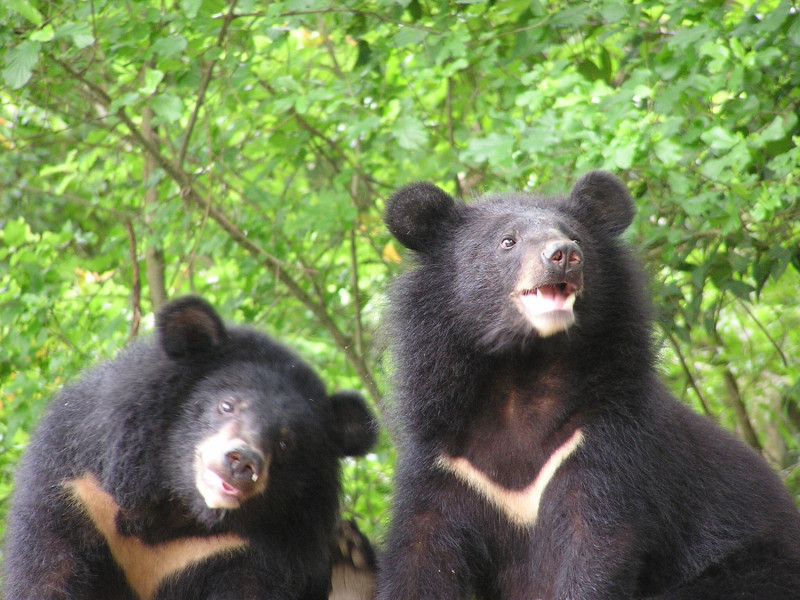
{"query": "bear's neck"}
(549, 386)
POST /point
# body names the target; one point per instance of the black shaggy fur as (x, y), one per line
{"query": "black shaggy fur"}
(135, 425)
(654, 501)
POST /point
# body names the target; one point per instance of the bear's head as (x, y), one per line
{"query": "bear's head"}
(507, 269)
(257, 424)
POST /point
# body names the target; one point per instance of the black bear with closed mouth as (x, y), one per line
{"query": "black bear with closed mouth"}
(200, 463)
(541, 457)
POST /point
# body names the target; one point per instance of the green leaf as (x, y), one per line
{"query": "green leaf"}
(361, 127)
(364, 53)
(711, 169)
(126, 99)
(699, 204)
(620, 154)
(410, 132)
(414, 10)
(26, 10)
(16, 233)
(20, 61)
(152, 77)
(79, 33)
(301, 104)
(738, 288)
(453, 67)
(409, 36)
(794, 30)
(168, 47)
(495, 148)
(719, 138)
(775, 18)
(689, 37)
(45, 34)
(572, 14)
(613, 10)
(679, 183)
(779, 127)
(530, 99)
(668, 152)
(191, 7)
(167, 107)
(589, 70)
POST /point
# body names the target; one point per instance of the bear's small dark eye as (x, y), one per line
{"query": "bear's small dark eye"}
(285, 444)
(227, 407)
(508, 242)
(576, 241)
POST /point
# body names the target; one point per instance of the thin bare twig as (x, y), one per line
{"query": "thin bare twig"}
(201, 93)
(136, 300)
(689, 374)
(761, 326)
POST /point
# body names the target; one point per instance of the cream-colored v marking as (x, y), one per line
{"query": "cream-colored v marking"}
(144, 566)
(519, 506)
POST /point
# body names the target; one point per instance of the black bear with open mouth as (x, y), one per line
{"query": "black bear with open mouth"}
(541, 457)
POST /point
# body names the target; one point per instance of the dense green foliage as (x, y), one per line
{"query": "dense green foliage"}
(244, 150)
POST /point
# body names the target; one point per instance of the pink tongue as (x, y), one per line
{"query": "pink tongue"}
(214, 479)
(549, 298)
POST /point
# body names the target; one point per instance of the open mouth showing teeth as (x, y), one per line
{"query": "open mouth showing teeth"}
(560, 296)
(548, 308)
(220, 489)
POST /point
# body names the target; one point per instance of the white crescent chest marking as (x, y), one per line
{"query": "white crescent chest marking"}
(519, 506)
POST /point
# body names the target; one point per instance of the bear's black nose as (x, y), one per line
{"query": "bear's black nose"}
(563, 256)
(245, 464)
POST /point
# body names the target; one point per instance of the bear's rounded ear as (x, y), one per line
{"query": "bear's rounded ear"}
(603, 200)
(415, 213)
(189, 326)
(355, 427)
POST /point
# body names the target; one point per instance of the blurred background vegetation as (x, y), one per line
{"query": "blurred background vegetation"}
(243, 150)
